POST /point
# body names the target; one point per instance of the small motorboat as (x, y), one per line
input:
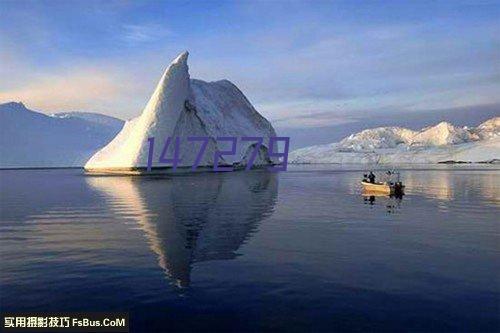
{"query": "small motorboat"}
(388, 187)
(385, 187)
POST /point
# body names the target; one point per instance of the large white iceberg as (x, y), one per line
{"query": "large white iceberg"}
(392, 145)
(182, 107)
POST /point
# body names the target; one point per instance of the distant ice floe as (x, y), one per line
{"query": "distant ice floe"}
(442, 143)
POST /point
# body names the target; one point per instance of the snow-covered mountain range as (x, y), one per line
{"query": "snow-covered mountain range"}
(182, 107)
(33, 139)
(436, 144)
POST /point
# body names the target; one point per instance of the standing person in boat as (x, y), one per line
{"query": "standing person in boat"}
(371, 177)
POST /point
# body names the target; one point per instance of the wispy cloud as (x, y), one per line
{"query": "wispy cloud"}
(143, 33)
(301, 63)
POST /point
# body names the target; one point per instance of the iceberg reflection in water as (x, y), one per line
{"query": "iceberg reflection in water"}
(195, 218)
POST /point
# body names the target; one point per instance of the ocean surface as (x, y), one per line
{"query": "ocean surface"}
(301, 250)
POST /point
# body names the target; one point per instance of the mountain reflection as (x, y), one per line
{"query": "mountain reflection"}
(193, 218)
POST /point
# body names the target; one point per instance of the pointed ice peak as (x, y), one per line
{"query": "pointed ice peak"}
(445, 124)
(181, 58)
(178, 67)
(172, 89)
(162, 111)
(442, 125)
(178, 64)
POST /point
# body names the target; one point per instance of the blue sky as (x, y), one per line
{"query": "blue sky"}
(301, 63)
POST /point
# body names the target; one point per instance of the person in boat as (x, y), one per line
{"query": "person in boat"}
(371, 177)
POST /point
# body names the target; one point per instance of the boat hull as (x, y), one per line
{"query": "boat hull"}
(378, 188)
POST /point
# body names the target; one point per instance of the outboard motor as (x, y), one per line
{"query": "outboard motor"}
(398, 188)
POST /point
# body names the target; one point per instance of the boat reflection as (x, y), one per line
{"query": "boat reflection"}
(194, 218)
(392, 202)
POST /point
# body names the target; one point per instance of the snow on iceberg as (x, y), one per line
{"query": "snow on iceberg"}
(183, 107)
(392, 145)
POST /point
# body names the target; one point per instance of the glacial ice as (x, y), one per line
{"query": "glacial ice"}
(395, 145)
(184, 107)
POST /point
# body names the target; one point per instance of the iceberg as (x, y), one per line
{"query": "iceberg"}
(442, 143)
(181, 107)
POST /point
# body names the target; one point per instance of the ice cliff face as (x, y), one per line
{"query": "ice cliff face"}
(181, 107)
(440, 143)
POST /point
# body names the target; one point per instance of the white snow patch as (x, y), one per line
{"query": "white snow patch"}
(437, 144)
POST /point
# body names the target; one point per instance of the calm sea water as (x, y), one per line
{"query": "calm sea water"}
(253, 251)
